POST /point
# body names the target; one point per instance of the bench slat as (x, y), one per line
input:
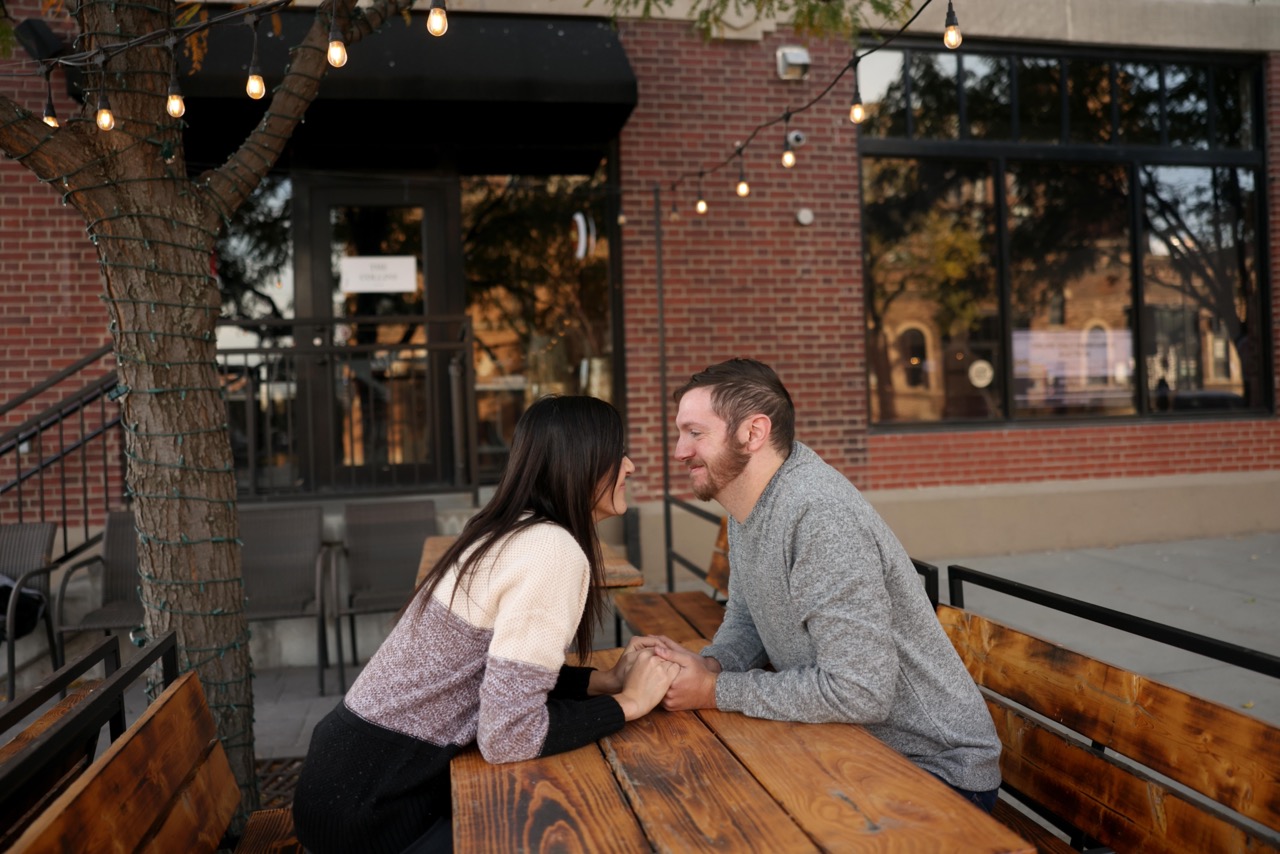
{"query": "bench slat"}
(270, 831)
(718, 570)
(731, 811)
(578, 807)
(125, 797)
(1227, 756)
(652, 614)
(1118, 805)
(699, 610)
(1045, 840)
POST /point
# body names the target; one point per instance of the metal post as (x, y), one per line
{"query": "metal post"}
(662, 386)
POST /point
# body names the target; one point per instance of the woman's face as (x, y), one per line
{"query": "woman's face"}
(613, 497)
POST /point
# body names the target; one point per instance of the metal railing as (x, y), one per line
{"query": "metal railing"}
(1239, 656)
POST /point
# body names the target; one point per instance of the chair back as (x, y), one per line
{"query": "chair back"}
(120, 558)
(383, 542)
(25, 546)
(281, 546)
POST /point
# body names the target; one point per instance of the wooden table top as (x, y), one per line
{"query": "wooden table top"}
(618, 571)
(717, 781)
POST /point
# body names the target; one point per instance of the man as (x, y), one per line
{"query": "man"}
(822, 593)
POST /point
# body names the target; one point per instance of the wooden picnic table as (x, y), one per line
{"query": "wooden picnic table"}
(717, 781)
(618, 571)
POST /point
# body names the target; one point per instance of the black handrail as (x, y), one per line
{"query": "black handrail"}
(1230, 653)
(69, 370)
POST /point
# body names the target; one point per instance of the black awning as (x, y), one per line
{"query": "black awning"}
(496, 93)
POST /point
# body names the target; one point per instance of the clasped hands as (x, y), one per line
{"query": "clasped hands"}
(656, 663)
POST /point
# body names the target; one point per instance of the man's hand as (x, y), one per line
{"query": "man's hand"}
(695, 685)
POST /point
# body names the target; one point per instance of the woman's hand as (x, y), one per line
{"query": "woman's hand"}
(646, 683)
(611, 681)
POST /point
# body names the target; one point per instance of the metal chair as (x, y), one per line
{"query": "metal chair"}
(282, 560)
(382, 544)
(121, 606)
(25, 552)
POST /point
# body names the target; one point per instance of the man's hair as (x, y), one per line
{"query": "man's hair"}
(741, 388)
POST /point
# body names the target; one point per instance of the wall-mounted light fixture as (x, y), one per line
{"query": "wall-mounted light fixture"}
(793, 62)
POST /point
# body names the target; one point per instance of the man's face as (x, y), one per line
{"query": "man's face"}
(713, 456)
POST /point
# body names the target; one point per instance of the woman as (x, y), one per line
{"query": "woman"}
(478, 654)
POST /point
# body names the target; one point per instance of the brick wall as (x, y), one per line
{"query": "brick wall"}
(747, 280)
(51, 313)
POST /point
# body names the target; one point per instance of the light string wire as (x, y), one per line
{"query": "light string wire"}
(739, 149)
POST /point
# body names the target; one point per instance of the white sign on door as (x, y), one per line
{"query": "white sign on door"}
(383, 274)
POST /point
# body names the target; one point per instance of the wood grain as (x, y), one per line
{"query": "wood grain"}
(1230, 757)
(270, 831)
(652, 614)
(168, 760)
(569, 802)
(692, 794)
(851, 792)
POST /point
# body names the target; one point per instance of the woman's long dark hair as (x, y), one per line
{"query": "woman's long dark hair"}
(566, 455)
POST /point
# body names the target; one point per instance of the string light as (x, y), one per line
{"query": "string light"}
(255, 87)
(174, 105)
(437, 18)
(743, 189)
(951, 35)
(788, 156)
(701, 205)
(337, 48)
(103, 117)
(857, 112)
(50, 115)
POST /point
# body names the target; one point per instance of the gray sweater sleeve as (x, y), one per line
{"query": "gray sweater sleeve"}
(844, 666)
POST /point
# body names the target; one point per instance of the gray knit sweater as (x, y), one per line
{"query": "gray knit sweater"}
(823, 591)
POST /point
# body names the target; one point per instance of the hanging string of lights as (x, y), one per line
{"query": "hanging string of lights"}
(255, 85)
(857, 113)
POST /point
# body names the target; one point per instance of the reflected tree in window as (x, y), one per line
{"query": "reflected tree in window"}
(1201, 266)
(929, 266)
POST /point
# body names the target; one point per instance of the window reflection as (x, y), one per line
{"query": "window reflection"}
(1088, 101)
(1039, 100)
(882, 86)
(933, 329)
(935, 102)
(1201, 304)
(1138, 102)
(1233, 107)
(1069, 271)
(988, 96)
(1187, 88)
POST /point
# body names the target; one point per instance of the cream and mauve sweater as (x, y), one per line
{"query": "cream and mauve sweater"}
(486, 667)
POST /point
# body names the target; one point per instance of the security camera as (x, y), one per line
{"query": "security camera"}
(796, 138)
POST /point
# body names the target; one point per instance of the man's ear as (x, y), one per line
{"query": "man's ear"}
(757, 430)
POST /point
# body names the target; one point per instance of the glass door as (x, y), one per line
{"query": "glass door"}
(384, 290)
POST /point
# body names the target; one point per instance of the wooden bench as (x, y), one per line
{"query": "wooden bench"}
(690, 616)
(163, 785)
(1086, 745)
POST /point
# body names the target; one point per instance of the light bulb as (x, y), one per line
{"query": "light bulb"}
(744, 189)
(50, 117)
(788, 158)
(256, 87)
(857, 113)
(701, 205)
(437, 19)
(174, 105)
(337, 53)
(951, 35)
(104, 119)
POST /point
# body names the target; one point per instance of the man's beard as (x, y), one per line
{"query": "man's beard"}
(721, 471)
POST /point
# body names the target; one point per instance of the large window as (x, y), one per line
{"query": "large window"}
(1054, 235)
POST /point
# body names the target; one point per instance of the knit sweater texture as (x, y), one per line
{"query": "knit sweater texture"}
(484, 666)
(824, 593)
